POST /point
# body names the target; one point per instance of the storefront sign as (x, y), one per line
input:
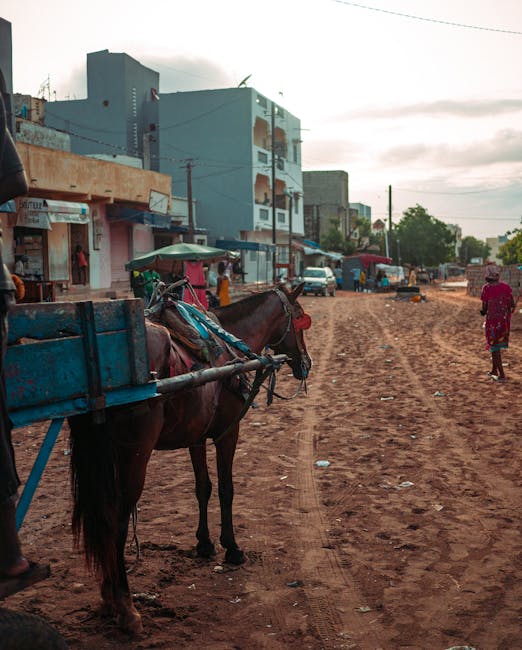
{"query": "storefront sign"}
(41, 213)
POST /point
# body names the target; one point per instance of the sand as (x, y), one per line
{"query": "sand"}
(408, 538)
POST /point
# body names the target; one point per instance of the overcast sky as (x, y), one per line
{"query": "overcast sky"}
(387, 91)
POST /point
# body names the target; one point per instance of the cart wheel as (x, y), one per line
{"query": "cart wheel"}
(21, 631)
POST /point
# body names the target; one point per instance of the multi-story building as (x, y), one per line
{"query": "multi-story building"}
(494, 244)
(456, 231)
(74, 200)
(363, 211)
(239, 151)
(120, 113)
(326, 202)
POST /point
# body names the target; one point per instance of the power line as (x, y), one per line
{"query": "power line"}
(429, 20)
(415, 191)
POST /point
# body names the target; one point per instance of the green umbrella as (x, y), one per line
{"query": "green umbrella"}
(160, 258)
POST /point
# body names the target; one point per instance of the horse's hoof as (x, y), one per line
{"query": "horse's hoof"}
(235, 556)
(130, 622)
(206, 550)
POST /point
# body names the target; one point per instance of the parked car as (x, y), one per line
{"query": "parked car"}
(319, 280)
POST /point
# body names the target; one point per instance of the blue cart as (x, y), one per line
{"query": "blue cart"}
(65, 359)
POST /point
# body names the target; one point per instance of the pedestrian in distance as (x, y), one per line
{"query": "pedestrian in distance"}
(223, 285)
(20, 266)
(497, 307)
(362, 281)
(356, 272)
(81, 264)
(138, 284)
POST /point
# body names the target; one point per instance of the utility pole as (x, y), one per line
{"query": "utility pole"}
(389, 217)
(290, 206)
(274, 235)
(190, 234)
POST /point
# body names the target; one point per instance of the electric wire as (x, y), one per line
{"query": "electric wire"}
(449, 23)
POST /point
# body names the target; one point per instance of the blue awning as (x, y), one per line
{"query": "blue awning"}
(239, 244)
(8, 206)
(116, 212)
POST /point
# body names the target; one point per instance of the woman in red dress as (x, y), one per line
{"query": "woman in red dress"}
(497, 307)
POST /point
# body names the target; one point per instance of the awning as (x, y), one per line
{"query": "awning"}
(40, 213)
(8, 206)
(67, 211)
(240, 244)
(367, 258)
(117, 212)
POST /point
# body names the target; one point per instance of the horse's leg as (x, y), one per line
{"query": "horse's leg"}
(135, 442)
(225, 450)
(198, 456)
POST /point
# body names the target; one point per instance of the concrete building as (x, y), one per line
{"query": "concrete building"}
(74, 200)
(363, 210)
(456, 231)
(226, 138)
(120, 114)
(326, 201)
(222, 139)
(494, 244)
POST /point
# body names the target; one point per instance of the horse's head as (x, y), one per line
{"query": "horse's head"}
(289, 338)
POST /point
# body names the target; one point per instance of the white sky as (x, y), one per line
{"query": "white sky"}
(433, 110)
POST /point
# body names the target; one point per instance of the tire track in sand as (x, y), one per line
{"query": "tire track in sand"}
(330, 588)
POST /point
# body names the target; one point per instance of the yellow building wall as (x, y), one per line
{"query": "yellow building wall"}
(73, 177)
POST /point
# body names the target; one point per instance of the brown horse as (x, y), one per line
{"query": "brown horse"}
(109, 460)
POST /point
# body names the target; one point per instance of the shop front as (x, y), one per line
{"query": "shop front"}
(42, 239)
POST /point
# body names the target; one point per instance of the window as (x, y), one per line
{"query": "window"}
(252, 255)
(280, 164)
(295, 151)
(261, 101)
(263, 214)
(262, 157)
(281, 217)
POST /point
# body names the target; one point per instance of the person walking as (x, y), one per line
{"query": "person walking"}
(497, 307)
(223, 286)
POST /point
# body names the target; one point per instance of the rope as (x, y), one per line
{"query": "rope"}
(135, 539)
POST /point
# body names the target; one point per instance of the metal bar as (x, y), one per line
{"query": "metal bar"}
(37, 470)
(199, 377)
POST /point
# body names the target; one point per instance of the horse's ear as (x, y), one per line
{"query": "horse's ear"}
(295, 293)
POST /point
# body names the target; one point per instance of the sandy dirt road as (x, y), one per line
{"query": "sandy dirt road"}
(408, 539)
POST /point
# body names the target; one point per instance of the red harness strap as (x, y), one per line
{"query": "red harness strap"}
(304, 322)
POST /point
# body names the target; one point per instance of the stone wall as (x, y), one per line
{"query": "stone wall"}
(512, 275)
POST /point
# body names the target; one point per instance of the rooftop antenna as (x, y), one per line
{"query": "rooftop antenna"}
(45, 87)
(243, 83)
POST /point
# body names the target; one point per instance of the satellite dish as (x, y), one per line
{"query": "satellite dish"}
(244, 81)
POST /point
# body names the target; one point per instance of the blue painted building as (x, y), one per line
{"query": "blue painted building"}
(226, 136)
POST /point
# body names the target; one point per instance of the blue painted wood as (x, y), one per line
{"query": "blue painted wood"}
(66, 408)
(37, 470)
(60, 352)
(65, 359)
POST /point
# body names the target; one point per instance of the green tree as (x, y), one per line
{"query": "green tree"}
(472, 247)
(333, 240)
(511, 251)
(424, 240)
(364, 227)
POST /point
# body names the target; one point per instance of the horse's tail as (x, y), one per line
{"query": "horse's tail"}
(94, 485)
